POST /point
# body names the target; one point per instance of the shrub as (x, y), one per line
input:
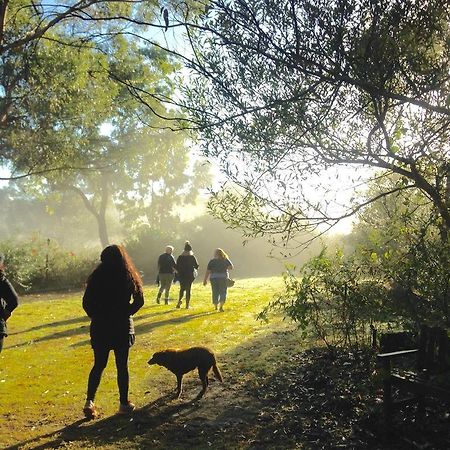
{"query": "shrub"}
(333, 297)
(38, 264)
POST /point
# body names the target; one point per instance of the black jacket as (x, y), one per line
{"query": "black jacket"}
(166, 263)
(186, 263)
(8, 302)
(107, 302)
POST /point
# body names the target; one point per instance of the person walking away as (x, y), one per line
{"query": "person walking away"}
(8, 302)
(187, 266)
(106, 301)
(166, 271)
(217, 272)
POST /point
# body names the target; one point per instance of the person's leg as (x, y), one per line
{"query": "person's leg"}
(166, 283)
(160, 290)
(100, 361)
(182, 291)
(188, 293)
(123, 378)
(1, 343)
(215, 291)
(223, 287)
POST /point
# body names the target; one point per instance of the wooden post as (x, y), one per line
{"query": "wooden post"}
(387, 391)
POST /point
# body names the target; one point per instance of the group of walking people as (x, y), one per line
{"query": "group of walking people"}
(185, 270)
(114, 293)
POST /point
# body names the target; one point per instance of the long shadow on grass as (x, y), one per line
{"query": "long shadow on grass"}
(140, 328)
(144, 328)
(82, 319)
(114, 428)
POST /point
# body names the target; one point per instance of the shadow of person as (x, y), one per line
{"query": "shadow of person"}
(112, 429)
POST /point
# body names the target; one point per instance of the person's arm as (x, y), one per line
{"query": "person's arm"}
(174, 265)
(10, 297)
(88, 300)
(137, 303)
(159, 263)
(196, 266)
(207, 275)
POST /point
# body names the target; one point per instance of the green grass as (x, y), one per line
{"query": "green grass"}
(47, 357)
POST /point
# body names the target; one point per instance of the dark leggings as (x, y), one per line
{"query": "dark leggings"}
(1, 343)
(185, 286)
(100, 361)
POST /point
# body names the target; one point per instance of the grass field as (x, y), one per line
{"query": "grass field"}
(47, 358)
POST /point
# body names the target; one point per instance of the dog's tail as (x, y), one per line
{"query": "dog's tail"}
(217, 373)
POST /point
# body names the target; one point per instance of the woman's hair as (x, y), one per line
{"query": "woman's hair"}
(116, 259)
(220, 253)
(187, 246)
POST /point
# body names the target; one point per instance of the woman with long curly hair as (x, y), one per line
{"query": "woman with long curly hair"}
(106, 301)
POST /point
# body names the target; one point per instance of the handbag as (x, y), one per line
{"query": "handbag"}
(230, 282)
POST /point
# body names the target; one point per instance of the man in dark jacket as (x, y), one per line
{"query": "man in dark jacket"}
(8, 302)
(166, 270)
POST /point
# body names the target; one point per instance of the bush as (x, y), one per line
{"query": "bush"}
(333, 297)
(38, 265)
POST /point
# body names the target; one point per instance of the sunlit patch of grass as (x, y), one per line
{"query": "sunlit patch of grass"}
(47, 357)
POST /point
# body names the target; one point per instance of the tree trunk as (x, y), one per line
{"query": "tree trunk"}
(100, 215)
(102, 230)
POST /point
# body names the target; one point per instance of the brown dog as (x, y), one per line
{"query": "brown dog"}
(180, 362)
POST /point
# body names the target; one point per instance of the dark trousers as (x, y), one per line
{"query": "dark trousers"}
(185, 287)
(1, 343)
(100, 360)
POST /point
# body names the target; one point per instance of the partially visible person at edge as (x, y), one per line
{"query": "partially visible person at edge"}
(166, 271)
(8, 302)
(187, 266)
(106, 301)
(217, 272)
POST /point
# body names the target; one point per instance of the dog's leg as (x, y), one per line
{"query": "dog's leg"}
(203, 375)
(179, 385)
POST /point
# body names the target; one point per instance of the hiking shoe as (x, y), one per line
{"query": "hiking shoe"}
(89, 410)
(126, 408)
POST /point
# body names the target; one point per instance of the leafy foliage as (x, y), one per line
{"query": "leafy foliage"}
(335, 298)
(41, 264)
(290, 96)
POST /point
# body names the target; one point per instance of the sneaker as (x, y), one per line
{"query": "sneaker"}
(89, 410)
(178, 305)
(126, 408)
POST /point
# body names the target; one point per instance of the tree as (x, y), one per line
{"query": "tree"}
(146, 178)
(61, 66)
(287, 92)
